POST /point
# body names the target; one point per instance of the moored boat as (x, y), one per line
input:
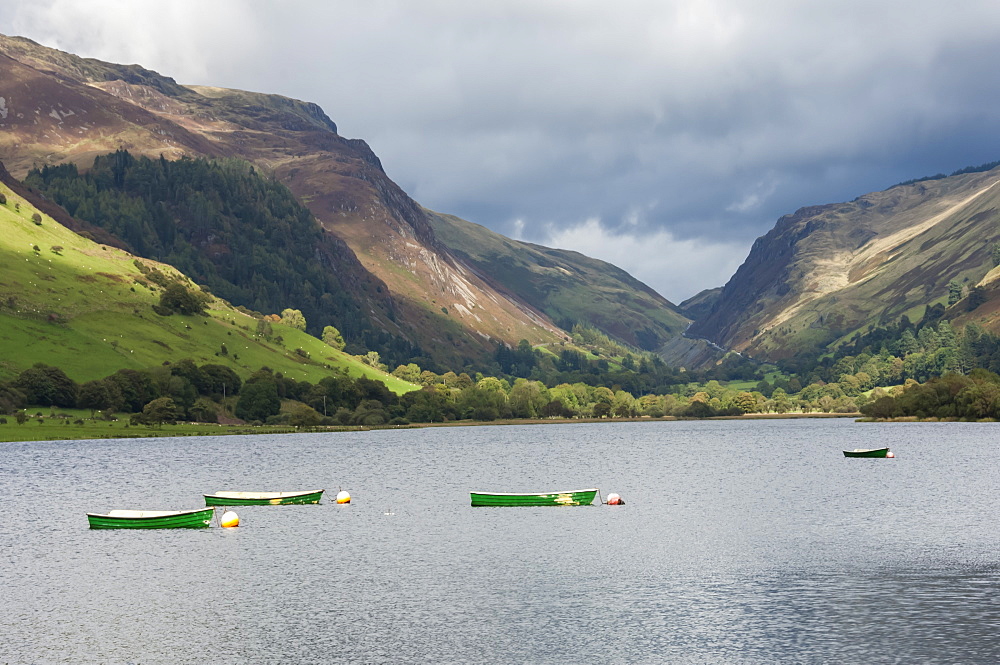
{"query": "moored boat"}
(151, 519)
(867, 452)
(568, 498)
(262, 498)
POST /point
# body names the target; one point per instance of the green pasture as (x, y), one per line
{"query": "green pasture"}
(57, 429)
(87, 308)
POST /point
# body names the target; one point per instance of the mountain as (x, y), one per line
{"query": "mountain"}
(62, 108)
(700, 304)
(826, 272)
(566, 286)
(91, 309)
(221, 222)
(405, 282)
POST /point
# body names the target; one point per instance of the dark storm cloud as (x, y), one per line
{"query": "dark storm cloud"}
(661, 136)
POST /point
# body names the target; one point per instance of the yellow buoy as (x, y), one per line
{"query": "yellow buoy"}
(343, 497)
(229, 519)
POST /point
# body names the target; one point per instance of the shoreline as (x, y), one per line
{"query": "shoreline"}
(914, 419)
(569, 421)
(51, 431)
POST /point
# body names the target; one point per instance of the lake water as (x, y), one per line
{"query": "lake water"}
(740, 542)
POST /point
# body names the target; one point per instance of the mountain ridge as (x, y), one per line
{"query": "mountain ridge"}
(390, 238)
(825, 272)
(546, 278)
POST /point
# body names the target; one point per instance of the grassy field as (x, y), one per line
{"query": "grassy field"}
(88, 309)
(55, 429)
(750, 386)
(55, 424)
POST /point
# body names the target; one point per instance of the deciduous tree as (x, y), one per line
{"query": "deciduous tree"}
(410, 372)
(160, 410)
(47, 386)
(94, 395)
(258, 400)
(333, 337)
(178, 298)
(293, 318)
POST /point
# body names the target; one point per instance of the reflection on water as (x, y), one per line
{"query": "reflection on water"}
(741, 542)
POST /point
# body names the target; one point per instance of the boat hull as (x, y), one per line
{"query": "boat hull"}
(163, 519)
(873, 452)
(262, 498)
(570, 498)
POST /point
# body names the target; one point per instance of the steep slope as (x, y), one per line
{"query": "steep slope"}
(87, 308)
(221, 222)
(567, 286)
(340, 180)
(343, 184)
(828, 271)
(700, 304)
(49, 118)
(452, 311)
(75, 109)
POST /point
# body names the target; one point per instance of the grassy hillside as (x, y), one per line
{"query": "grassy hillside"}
(88, 308)
(827, 272)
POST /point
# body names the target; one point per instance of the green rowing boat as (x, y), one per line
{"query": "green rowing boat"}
(571, 498)
(152, 519)
(262, 498)
(867, 452)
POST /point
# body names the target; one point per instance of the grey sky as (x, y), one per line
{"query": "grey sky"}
(663, 136)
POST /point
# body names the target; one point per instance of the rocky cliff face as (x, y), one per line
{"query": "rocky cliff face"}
(827, 271)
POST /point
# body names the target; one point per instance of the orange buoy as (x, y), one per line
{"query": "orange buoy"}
(229, 519)
(343, 497)
(615, 500)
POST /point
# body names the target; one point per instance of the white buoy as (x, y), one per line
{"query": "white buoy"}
(890, 454)
(343, 497)
(615, 500)
(229, 519)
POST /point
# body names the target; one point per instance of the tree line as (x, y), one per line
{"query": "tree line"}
(209, 392)
(887, 355)
(950, 397)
